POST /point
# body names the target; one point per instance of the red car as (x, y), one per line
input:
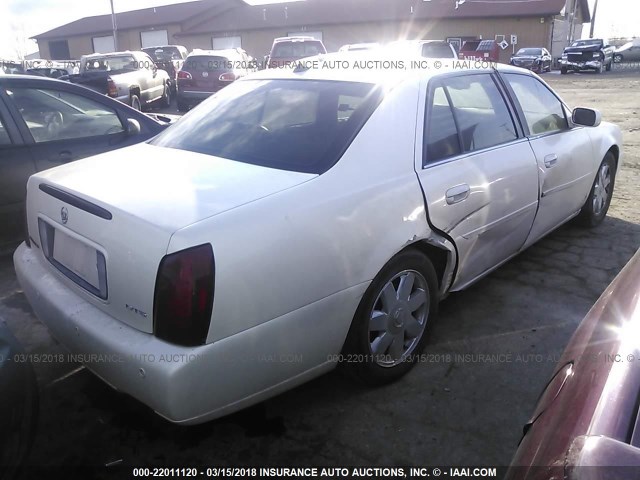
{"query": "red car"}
(587, 416)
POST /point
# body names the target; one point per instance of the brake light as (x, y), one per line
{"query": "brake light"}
(184, 296)
(112, 90)
(184, 75)
(227, 77)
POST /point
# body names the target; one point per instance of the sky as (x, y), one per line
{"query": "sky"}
(21, 19)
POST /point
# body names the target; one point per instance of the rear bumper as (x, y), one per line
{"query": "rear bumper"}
(183, 384)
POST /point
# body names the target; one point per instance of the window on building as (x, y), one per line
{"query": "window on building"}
(103, 44)
(59, 50)
(154, 38)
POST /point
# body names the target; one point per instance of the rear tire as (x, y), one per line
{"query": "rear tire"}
(391, 325)
(597, 204)
(182, 107)
(135, 103)
(563, 71)
(166, 98)
(609, 65)
(617, 58)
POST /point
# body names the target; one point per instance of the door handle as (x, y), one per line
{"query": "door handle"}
(457, 194)
(550, 160)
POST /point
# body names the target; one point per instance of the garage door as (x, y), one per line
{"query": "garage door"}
(103, 44)
(221, 43)
(155, 38)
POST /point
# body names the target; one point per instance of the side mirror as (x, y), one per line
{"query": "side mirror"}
(587, 117)
(133, 126)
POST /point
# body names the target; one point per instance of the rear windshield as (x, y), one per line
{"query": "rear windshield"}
(529, 51)
(207, 63)
(436, 50)
(297, 49)
(163, 54)
(111, 64)
(298, 125)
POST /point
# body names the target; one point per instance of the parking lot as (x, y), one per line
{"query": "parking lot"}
(491, 352)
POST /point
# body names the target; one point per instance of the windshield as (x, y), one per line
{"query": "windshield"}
(437, 50)
(584, 43)
(299, 125)
(529, 51)
(110, 64)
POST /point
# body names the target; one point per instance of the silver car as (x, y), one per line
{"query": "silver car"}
(302, 218)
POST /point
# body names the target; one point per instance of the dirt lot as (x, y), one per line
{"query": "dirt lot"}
(450, 410)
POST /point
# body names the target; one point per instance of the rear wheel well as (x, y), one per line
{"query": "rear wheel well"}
(438, 257)
(615, 150)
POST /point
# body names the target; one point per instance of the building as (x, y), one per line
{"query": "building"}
(232, 23)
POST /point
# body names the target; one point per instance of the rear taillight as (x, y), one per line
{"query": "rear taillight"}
(184, 296)
(112, 90)
(184, 75)
(227, 77)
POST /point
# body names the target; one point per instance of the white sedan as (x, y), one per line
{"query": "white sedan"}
(301, 218)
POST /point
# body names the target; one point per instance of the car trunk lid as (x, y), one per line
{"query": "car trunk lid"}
(105, 222)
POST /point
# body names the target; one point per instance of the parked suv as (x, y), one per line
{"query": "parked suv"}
(286, 50)
(205, 72)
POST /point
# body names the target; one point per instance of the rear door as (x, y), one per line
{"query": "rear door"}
(477, 172)
(61, 126)
(563, 152)
(16, 166)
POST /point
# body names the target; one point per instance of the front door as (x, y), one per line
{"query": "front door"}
(562, 153)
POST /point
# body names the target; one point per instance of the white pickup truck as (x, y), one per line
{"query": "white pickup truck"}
(131, 77)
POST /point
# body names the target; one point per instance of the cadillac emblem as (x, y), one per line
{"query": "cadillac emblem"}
(64, 215)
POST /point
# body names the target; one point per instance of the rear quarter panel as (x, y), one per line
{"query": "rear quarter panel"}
(334, 232)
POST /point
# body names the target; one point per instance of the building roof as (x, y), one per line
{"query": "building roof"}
(208, 16)
(146, 17)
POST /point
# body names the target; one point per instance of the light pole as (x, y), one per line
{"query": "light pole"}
(114, 25)
(593, 19)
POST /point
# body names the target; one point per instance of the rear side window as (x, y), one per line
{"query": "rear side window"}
(542, 109)
(440, 133)
(480, 111)
(298, 125)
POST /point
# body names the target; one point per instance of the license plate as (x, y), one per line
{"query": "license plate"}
(81, 259)
(77, 260)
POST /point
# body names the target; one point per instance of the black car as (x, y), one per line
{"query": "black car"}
(45, 123)
(535, 59)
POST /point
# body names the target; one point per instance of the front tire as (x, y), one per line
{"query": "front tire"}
(595, 208)
(617, 58)
(391, 325)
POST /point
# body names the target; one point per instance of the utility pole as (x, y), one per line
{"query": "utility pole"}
(115, 28)
(593, 19)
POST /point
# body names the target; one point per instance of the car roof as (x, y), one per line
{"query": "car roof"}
(350, 66)
(296, 38)
(214, 53)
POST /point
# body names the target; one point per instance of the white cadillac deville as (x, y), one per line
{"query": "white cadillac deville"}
(302, 216)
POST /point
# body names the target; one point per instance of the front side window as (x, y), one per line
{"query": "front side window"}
(481, 113)
(298, 125)
(542, 109)
(4, 135)
(58, 115)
